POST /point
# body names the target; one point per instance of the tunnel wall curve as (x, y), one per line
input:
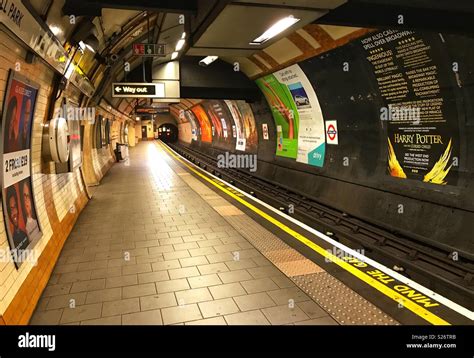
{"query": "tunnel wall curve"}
(355, 177)
(59, 197)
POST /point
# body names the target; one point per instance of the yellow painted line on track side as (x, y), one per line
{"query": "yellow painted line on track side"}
(412, 306)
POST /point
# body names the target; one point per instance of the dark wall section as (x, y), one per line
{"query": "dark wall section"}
(216, 81)
(355, 178)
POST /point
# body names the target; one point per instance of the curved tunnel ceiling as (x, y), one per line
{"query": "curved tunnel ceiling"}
(212, 27)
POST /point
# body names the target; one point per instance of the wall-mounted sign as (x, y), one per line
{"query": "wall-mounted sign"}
(331, 132)
(151, 110)
(265, 131)
(144, 49)
(19, 208)
(18, 18)
(138, 90)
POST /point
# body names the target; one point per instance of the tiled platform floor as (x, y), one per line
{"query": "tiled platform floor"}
(149, 250)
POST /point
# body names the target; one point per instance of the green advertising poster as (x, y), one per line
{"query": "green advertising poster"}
(284, 112)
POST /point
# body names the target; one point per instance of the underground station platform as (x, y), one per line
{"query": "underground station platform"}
(237, 176)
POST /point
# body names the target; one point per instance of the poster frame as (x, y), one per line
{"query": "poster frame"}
(13, 75)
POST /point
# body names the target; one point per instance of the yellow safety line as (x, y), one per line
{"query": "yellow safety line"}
(412, 306)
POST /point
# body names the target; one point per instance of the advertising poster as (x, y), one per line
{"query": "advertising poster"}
(311, 133)
(420, 113)
(189, 115)
(284, 113)
(221, 122)
(250, 127)
(19, 209)
(297, 114)
(204, 123)
(238, 124)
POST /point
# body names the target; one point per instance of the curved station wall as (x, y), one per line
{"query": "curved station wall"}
(377, 127)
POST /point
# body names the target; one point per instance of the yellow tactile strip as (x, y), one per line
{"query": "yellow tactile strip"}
(331, 294)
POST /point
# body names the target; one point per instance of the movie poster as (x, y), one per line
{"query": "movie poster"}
(222, 123)
(21, 220)
(420, 112)
(238, 125)
(204, 123)
(250, 127)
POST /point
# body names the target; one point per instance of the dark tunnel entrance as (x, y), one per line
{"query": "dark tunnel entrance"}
(168, 133)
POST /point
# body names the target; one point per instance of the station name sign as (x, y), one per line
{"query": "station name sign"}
(138, 90)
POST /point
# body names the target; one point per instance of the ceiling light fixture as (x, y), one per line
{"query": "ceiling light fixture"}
(174, 55)
(275, 29)
(207, 60)
(183, 36)
(180, 44)
(56, 30)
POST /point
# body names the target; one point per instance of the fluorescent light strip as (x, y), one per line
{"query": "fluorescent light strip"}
(275, 29)
(180, 44)
(208, 60)
(436, 296)
(174, 55)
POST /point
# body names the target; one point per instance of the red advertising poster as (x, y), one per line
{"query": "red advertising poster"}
(222, 121)
(21, 220)
(204, 123)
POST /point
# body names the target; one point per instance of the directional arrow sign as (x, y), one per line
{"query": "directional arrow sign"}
(138, 90)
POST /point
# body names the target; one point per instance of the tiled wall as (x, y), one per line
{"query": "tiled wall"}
(59, 197)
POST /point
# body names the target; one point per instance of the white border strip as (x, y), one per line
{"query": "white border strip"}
(436, 296)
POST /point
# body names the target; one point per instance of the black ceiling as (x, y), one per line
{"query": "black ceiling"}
(93, 8)
(445, 16)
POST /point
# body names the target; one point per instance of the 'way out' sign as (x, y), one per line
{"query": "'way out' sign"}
(138, 90)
